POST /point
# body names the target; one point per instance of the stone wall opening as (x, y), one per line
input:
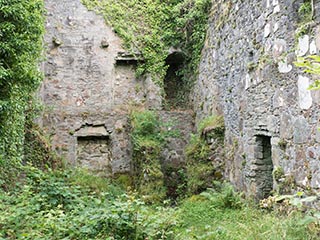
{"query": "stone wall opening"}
(94, 154)
(173, 83)
(264, 166)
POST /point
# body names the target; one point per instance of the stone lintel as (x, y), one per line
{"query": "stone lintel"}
(92, 131)
(128, 58)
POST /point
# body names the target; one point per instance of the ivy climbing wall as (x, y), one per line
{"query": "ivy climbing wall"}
(247, 74)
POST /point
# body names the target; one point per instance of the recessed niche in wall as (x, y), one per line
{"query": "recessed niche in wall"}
(263, 156)
(173, 84)
(94, 150)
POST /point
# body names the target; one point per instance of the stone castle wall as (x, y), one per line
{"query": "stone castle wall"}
(247, 74)
(89, 85)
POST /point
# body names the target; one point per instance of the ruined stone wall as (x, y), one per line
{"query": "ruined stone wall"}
(89, 89)
(89, 86)
(247, 75)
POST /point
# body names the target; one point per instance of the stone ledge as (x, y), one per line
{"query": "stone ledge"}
(128, 58)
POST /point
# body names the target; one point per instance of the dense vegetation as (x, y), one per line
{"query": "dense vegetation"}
(147, 141)
(149, 136)
(21, 30)
(77, 205)
(153, 27)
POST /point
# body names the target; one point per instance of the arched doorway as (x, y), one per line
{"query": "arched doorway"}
(173, 84)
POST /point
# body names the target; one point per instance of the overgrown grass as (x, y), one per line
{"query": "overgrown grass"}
(70, 205)
(222, 215)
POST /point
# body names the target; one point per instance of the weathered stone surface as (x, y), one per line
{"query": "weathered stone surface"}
(180, 124)
(92, 131)
(301, 130)
(303, 46)
(247, 75)
(173, 160)
(279, 47)
(305, 99)
(284, 67)
(286, 126)
(89, 84)
(267, 30)
(95, 155)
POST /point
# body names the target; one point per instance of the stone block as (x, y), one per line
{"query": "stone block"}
(303, 45)
(315, 180)
(286, 126)
(301, 130)
(284, 67)
(312, 153)
(272, 124)
(258, 155)
(305, 99)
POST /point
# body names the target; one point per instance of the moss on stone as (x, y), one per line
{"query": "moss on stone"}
(124, 180)
(278, 173)
(203, 165)
(147, 141)
(282, 144)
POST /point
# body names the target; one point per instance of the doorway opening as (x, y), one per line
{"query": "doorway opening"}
(94, 154)
(263, 155)
(173, 84)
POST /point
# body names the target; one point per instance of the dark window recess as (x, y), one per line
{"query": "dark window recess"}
(263, 155)
(93, 138)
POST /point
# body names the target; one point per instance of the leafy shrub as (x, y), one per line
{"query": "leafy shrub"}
(37, 147)
(198, 148)
(147, 141)
(223, 196)
(306, 11)
(145, 124)
(221, 213)
(84, 179)
(213, 122)
(310, 64)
